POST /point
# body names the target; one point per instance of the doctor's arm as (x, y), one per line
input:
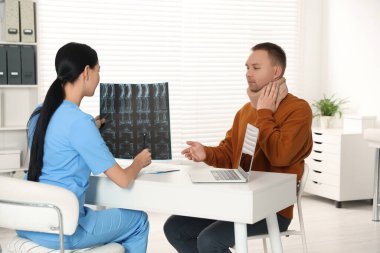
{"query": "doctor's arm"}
(124, 177)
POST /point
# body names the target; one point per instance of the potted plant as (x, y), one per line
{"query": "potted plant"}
(326, 108)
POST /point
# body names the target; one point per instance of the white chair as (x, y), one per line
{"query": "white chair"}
(301, 232)
(39, 207)
(372, 136)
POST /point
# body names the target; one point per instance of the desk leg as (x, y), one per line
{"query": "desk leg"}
(376, 188)
(241, 244)
(274, 233)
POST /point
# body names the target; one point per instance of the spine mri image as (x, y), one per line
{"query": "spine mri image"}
(137, 117)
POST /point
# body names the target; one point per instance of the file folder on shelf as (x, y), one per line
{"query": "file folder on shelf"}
(11, 21)
(28, 33)
(1, 110)
(3, 65)
(28, 65)
(14, 64)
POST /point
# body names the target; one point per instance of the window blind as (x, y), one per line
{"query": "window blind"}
(199, 47)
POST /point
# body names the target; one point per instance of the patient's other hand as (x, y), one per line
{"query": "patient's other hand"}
(195, 152)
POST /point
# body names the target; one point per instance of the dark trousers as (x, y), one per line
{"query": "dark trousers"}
(192, 235)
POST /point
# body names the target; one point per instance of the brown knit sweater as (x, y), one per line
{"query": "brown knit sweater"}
(285, 140)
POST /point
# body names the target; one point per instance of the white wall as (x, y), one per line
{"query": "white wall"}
(312, 39)
(349, 60)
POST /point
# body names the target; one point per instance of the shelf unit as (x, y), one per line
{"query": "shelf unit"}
(17, 102)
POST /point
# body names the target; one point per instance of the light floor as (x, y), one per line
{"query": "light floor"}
(328, 229)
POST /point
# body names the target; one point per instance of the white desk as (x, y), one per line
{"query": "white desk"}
(174, 193)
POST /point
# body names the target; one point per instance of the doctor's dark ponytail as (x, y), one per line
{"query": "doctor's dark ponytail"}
(70, 62)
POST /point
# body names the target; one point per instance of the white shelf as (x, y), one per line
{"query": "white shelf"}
(14, 128)
(17, 43)
(18, 86)
(13, 170)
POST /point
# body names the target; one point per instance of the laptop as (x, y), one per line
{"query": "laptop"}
(239, 175)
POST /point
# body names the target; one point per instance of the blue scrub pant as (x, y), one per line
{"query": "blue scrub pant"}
(128, 227)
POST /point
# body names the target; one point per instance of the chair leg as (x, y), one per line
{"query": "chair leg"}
(375, 209)
(302, 227)
(265, 245)
(304, 245)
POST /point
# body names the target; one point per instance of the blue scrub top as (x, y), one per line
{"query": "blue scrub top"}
(73, 149)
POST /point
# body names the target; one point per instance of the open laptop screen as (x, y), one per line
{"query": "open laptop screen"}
(246, 162)
(248, 148)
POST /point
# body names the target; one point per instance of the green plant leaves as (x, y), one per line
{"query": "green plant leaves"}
(328, 106)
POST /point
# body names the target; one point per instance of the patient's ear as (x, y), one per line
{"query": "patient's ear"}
(277, 72)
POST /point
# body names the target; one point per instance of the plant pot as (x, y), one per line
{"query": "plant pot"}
(326, 121)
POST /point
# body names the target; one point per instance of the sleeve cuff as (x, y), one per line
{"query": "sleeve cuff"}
(208, 152)
(263, 113)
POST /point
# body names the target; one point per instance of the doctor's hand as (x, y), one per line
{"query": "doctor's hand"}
(143, 159)
(195, 152)
(99, 122)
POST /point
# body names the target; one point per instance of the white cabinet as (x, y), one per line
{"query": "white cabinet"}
(341, 166)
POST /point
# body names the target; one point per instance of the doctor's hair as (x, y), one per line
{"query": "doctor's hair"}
(276, 54)
(70, 62)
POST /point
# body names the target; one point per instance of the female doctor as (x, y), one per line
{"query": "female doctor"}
(66, 147)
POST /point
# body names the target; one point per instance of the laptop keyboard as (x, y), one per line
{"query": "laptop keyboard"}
(225, 175)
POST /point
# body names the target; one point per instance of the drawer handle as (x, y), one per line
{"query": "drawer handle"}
(317, 160)
(315, 182)
(318, 133)
(318, 142)
(318, 151)
(317, 171)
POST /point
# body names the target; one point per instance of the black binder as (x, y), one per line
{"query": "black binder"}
(14, 64)
(3, 65)
(28, 65)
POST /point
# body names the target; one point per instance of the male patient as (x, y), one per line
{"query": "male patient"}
(285, 140)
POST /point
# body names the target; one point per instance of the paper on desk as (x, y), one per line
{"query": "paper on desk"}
(158, 168)
(157, 171)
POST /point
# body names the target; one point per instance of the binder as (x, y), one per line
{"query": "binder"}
(28, 33)
(1, 109)
(28, 65)
(3, 65)
(14, 64)
(11, 21)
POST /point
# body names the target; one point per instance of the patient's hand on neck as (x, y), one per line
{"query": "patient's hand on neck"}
(282, 93)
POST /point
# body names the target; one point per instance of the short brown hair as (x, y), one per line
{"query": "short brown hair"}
(275, 52)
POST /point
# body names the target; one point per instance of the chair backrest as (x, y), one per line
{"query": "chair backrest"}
(33, 206)
(250, 139)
